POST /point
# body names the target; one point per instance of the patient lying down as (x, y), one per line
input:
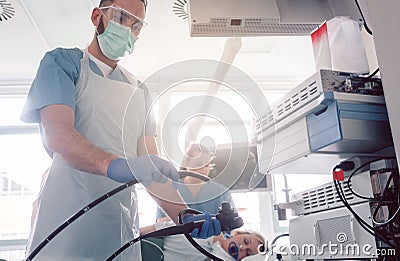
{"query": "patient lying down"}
(239, 246)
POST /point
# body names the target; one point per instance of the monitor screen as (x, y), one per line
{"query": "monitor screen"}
(244, 172)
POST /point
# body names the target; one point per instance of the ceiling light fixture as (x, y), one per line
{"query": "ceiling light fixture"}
(180, 9)
(7, 11)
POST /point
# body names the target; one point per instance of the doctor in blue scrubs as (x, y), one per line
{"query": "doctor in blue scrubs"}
(93, 118)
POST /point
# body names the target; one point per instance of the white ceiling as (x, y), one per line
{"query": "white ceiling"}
(41, 25)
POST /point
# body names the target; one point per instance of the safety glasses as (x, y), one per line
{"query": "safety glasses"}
(123, 17)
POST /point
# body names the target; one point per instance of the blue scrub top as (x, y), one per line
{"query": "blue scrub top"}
(55, 82)
(203, 198)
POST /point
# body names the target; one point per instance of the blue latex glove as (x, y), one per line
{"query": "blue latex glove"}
(144, 169)
(210, 227)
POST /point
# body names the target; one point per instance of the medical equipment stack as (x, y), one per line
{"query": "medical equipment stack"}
(336, 120)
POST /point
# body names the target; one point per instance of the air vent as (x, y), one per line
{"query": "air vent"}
(180, 9)
(7, 11)
(325, 197)
(249, 27)
(297, 100)
(263, 124)
(309, 92)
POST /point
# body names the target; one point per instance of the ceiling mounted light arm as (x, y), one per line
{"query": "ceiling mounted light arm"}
(231, 48)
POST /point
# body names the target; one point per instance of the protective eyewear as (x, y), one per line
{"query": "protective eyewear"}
(123, 17)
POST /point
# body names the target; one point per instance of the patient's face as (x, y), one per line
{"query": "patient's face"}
(247, 245)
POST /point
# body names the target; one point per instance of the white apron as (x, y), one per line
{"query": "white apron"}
(99, 115)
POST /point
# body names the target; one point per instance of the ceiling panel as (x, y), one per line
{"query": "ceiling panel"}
(62, 23)
(21, 46)
(40, 25)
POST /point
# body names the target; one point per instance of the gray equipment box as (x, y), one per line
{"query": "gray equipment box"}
(321, 122)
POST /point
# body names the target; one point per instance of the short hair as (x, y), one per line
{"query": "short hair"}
(260, 237)
(196, 150)
(103, 1)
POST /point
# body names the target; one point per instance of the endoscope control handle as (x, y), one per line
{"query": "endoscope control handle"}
(225, 225)
(228, 218)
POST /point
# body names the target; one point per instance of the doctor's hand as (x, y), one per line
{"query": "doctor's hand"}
(210, 227)
(144, 169)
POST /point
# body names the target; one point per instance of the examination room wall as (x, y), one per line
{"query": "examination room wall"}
(23, 160)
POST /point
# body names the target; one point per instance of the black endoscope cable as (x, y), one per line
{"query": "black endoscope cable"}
(76, 216)
(234, 222)
(191, 240)
(168, 231)
(229, 220)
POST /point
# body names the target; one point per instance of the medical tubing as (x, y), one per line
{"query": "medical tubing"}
(76, 216)
(154, 245)
(202, 250)
(185, 229)
(191, 240)
(273, 244)
(389, 220)
(168, 231)
(362, 222)
(367, 227)
(277, 237)
(359, 219)
(357, 169)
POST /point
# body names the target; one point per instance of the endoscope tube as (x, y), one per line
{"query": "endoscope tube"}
(76, 216)
(227, 218)
(191, 240)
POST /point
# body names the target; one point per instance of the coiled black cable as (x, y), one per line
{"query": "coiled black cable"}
(359, 168)
(227, 220)
(76, 216)
(391, 219)
(367, 227)
(191, 240)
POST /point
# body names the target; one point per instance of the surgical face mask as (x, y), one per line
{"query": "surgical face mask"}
(116, 41)
(218, 251)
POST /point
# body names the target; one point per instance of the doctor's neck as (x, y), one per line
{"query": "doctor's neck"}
(192, 180)
(94, 50)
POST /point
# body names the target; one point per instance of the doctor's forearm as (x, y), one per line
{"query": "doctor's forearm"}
(80, 153)
(164, 194)
(63, 139)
